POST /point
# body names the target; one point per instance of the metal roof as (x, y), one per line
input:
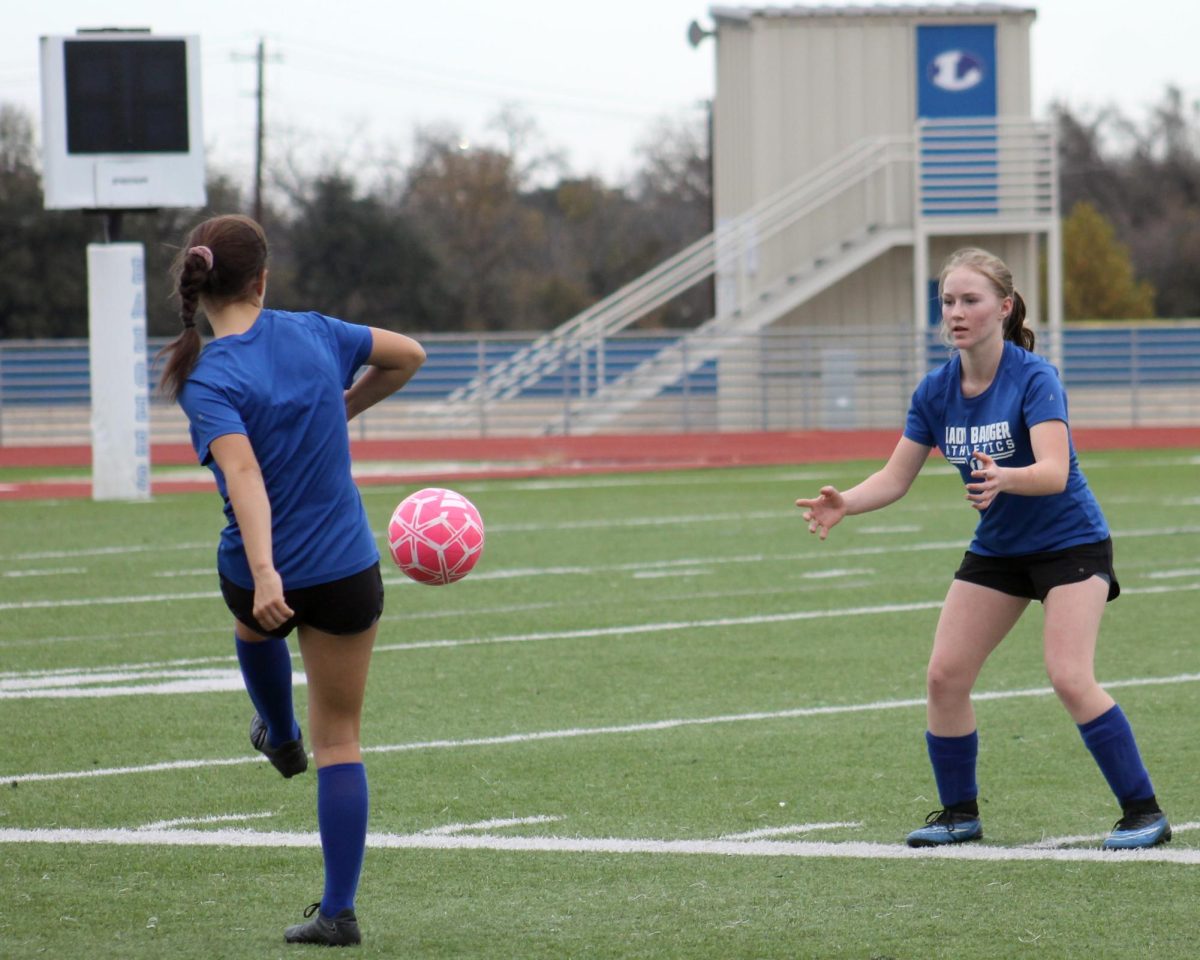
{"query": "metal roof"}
(745, 14)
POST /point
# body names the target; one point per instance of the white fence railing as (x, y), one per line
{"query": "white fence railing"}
(995, 167)
(834, 378)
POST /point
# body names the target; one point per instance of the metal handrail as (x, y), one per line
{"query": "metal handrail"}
(693, 264)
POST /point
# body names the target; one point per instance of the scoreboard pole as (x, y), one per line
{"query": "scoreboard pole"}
(117, 356)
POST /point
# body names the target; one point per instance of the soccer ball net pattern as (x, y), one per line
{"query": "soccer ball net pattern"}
(436, 536)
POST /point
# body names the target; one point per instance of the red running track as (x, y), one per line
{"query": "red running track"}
(446, 460)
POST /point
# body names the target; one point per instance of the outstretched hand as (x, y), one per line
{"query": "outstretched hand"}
(824, 512)
(989, 482)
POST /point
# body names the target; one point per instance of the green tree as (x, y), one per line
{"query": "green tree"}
(348, 255)
(43, 265)
(466, 203)
(1099, 281)
(1144, 177)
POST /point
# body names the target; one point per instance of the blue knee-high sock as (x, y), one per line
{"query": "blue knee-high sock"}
(1110, 740)
(953, 760)
(267, 671)
(342, 803)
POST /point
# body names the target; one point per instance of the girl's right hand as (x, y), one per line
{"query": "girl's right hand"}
(825, 512)
(270, 609)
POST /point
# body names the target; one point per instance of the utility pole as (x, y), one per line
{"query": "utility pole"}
(260, 133)
(260, 60)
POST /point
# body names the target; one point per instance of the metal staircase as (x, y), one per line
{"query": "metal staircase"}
(712, 338)
(948, 176)
(868, 170)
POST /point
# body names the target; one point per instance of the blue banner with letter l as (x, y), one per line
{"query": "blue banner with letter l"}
(956, 79)
(956, 71)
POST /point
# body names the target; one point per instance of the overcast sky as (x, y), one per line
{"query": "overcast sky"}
(594, 77)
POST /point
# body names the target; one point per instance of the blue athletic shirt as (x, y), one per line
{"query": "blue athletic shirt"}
(1025, 391)
(281, 384)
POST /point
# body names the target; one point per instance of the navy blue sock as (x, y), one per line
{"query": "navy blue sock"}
(953, 760)
(342, 804)
(267, 671)
(1110, 740)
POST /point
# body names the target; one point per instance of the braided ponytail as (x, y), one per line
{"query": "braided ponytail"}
(218, 264)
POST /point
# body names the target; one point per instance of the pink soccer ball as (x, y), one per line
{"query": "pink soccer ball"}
(436, 536)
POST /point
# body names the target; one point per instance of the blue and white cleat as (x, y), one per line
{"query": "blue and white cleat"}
(944, 827)
(1135, 831)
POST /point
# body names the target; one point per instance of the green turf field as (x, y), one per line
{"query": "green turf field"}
(658, 720)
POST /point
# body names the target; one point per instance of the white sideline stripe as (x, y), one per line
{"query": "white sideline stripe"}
(667, 626)
(835, 574)
(450, 828)
(1170, 574)
(507, 574)
(1052, 842)
(605, 523)
(445, 613)
(15, 685)
(725, 848)
(794, 829)
(545, 735)
(109, 551)
(107, 601)
(73, 678)
(660, 574)
(63, 675)
(670, 625)
(60, 571)
(230, 683)
(216, 818)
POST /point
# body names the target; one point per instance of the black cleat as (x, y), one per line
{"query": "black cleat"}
(339, 931)
(945, 827)
(288, 758)
(1136, 831)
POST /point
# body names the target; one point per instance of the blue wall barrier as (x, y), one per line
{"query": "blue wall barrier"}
(46, 372)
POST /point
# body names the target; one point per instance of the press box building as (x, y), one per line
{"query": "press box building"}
(854, 148)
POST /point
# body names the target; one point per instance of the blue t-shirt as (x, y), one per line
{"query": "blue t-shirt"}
(281, 384)
(1025, 391)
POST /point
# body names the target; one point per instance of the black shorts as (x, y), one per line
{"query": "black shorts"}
(345, 606)
(1034, 575)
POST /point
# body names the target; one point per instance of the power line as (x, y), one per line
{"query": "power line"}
(369, 69)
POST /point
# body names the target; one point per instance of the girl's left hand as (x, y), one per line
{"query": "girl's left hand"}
(990, 481)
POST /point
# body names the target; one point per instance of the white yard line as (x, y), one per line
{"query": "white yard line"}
(590, 570)
(14, 682)
(217, 818)
(30, 685)
(57, 572)
(108, 601)
(617, 730)
(607, 845)
(226, 682)
(608, 523)
(663, 574)
(790, 831)
(115, 551)
(449, 828)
